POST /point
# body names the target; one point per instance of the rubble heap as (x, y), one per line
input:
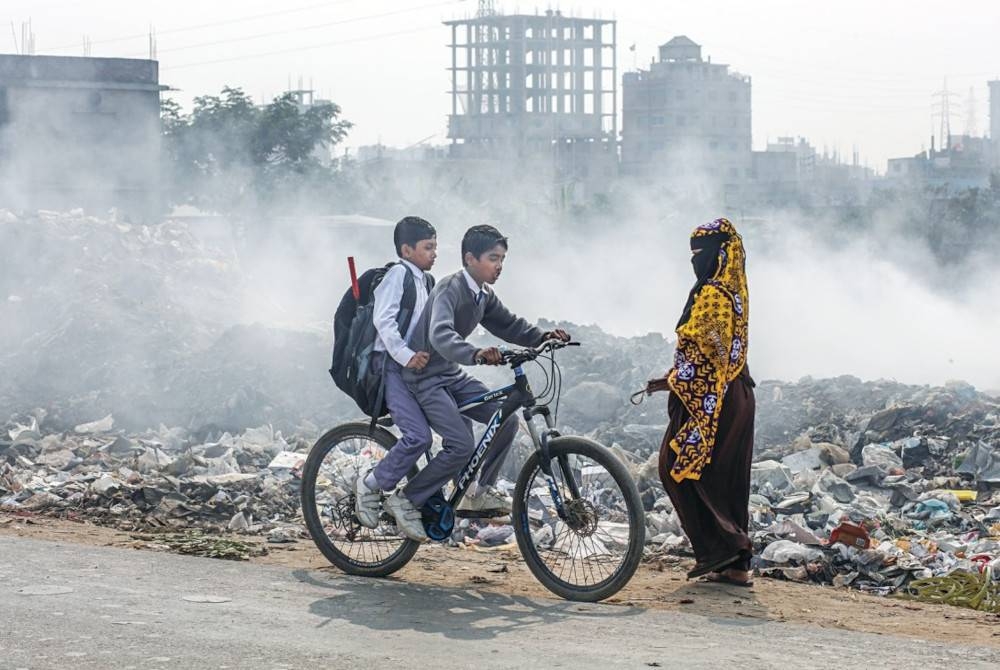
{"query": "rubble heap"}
(159, 479)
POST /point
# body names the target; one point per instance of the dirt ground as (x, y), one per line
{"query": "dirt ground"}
(659, 585)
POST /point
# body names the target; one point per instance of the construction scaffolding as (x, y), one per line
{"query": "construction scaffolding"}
(523, 83)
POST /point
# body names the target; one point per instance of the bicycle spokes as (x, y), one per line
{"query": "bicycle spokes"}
(335, 502)
(579, 520)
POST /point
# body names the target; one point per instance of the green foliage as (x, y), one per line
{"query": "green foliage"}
(231, 156)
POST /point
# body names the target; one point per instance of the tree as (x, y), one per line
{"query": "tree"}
(231, 156)
(285, 136)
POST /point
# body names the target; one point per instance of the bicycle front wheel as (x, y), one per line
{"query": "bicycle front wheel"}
(593, 550)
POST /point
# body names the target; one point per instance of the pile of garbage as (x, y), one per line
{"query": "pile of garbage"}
(164, 479)
(876, 515)
(913, 473)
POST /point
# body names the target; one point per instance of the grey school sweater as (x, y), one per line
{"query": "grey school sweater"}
(450, 316)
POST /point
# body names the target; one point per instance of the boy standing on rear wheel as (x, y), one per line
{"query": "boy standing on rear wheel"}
(404, 287)
(456, 306)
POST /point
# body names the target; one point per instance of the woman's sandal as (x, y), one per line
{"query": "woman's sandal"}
(723, 578)
(715, 566)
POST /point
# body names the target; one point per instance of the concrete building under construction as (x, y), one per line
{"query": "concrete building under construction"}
(539, 89)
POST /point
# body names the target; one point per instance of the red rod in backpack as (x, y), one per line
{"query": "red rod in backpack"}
(355, 288)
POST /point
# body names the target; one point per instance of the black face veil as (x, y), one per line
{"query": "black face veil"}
(706, 265)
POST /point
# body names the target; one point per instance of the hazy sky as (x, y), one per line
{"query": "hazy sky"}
(843, 74)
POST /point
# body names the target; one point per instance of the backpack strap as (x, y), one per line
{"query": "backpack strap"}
(407, 302)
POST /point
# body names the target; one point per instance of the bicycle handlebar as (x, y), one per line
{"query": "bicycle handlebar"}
(518, 357)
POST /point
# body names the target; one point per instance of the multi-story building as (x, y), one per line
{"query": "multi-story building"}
(539, 93)
(79, 132)
(686, 115)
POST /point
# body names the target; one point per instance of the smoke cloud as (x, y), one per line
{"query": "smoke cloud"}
(150, 320)
(828, 297)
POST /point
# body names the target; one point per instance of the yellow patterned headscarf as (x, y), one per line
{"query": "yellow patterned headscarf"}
(711, 351)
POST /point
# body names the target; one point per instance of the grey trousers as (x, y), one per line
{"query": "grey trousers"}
(415, 434)
(439, 397)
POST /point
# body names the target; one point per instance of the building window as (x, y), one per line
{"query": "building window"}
(732, 96)
(680, 94)
(681, 121)
(713, 145)
(4, 111)
(732, 146)
(656, 120)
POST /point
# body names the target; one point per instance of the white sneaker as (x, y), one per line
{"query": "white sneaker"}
(366, 503)
(488, 500)
(409, 520)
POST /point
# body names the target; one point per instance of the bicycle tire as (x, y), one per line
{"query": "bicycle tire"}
(566, 446)
(311, 515)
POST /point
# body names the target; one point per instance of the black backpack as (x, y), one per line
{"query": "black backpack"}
(354, 338)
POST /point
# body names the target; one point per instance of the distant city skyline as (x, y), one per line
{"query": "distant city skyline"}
(848, 76)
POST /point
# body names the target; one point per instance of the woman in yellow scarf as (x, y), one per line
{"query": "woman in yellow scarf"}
(706, 452)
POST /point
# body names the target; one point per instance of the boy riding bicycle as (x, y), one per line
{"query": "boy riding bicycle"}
(456, 306)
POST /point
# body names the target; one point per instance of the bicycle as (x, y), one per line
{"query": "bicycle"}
(577, 515)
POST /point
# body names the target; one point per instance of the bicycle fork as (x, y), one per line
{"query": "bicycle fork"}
(541, 441)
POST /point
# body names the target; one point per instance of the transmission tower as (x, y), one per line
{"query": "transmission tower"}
(943, 110)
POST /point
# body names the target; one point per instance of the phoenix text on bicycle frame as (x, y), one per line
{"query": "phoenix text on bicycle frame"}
(484, 444)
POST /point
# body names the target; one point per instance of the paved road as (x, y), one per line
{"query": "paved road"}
(70, 606)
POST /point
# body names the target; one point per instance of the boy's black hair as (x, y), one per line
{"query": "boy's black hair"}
(411, 230)
(480, 239)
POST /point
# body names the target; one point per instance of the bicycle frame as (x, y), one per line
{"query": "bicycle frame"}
(513, 397)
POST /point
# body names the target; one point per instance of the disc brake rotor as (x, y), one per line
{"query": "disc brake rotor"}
(581, 517)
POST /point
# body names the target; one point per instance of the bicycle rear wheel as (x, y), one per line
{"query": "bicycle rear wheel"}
(328, 503)
(593, 552)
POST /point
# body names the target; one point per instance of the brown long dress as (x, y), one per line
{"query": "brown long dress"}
(713, 509)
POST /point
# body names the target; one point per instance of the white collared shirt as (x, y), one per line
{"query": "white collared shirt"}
(387, 298)
(474, 287)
